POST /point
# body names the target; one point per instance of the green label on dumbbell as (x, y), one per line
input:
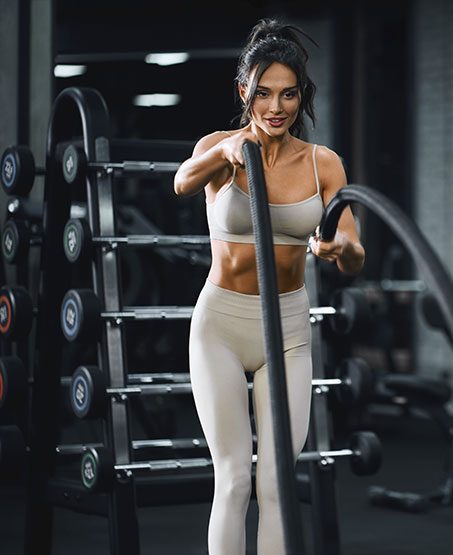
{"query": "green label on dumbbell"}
(8, 244)
(89, 470)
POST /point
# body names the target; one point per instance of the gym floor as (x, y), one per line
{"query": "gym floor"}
(413, 453)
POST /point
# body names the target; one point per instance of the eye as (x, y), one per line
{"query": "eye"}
(290, 94)
(261, 94)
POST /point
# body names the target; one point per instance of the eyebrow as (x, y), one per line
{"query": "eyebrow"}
(285, 89)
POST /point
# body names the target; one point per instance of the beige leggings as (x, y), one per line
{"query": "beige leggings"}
(226, 340)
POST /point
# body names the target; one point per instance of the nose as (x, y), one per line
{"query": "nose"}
(275, 107)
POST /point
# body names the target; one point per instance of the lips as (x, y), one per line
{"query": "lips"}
(276, 122)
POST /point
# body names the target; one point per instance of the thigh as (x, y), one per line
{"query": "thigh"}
(298, 371)
(219, 388)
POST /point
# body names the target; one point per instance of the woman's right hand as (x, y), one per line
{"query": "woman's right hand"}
(232, 146)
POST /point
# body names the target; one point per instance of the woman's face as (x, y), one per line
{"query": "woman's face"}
(277, 99)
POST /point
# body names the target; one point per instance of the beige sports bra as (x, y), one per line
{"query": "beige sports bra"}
(229, 217)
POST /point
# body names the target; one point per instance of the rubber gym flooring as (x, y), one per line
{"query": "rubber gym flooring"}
(413, 451)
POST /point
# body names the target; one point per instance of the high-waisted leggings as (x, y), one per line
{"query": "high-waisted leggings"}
(226, 341)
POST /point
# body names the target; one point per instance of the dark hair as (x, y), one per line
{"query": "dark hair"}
(272, 41)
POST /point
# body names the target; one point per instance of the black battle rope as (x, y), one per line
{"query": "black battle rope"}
(274, 349)
(436, 277)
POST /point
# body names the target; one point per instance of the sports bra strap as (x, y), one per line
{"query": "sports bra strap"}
(315, 167)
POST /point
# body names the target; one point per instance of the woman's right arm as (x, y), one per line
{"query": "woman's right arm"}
(207, 160)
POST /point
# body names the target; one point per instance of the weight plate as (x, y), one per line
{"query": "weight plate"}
(16, 312)
(70, 318)
(12, 451)
(15, 241)
(89, 470)
(17, 170)
(9, 170)
(352, 310)
(73, 164)
(357, 381)
(2, 389)
(80, 315)
(6, 313)
(97, 469)
(76, 239)
(13, 382)
(367, 453)
(80, 395)
(88, 392)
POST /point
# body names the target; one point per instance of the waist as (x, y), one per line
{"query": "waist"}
(244, 305)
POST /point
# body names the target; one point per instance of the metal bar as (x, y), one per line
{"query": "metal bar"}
(174, 312)
(160, 240)
(134, 166)
(325, 528)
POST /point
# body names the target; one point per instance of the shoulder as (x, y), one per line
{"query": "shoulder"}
(331, 167)
(208, 141)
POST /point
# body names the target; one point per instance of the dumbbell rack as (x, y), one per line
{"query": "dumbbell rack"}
(44, 490)
(325, 526)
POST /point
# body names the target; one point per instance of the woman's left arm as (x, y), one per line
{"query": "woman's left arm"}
(345, 249)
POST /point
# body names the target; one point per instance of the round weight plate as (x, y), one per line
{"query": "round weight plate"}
(88, 392)
(15, 241)
(367, 457)
(80, 395)
(358, 381)
(97, 470)
(17, 170)
(73, 163)
(70, 317)
(9, 170)
(351, 308)
(76, 239)
(13, 382)
(89, 470)
(12, 450)
(80, 315)
(6, 313)
(16, 312)
(2, 389)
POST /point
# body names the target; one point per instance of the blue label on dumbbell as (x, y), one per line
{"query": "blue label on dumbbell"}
(8, 170)
(70, 318)
(79, 393)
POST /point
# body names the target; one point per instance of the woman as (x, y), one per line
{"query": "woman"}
(226, 336)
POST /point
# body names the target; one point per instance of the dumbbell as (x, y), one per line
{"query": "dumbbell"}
(17, 238)
(81, 314)
(18, 170)
(357, 381)
(78, 241)
(76, 167)
(12, 452)
(16, 312)
(13, 382)
(352, 310)
(89, 391)
(98, 470)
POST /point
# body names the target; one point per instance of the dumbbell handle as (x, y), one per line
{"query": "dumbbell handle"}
(133, 166)
(176, 464)
(186, 387)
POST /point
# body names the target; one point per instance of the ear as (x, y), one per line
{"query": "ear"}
(242, 93)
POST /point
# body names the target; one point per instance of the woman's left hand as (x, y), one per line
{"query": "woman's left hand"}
(327, 250)
(348, 255)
